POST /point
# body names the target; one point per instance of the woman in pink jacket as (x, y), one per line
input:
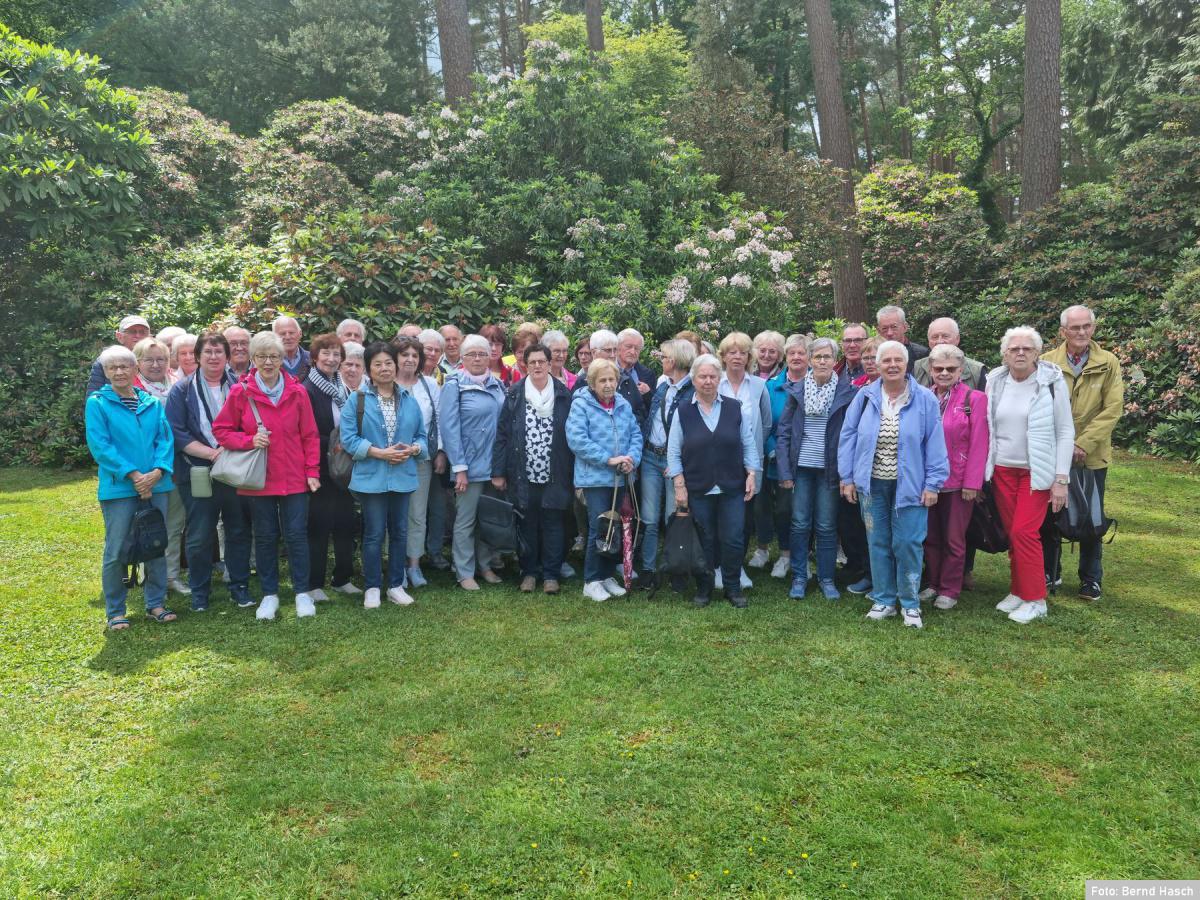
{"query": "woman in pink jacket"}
(293, 446)
(965, 424)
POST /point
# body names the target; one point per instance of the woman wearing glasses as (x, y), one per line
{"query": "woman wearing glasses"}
(289, 435)
(1032, 437)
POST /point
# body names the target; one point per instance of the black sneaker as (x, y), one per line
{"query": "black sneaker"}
(1089, 590)
(701, 600)
(736, 599)
(1053, 584)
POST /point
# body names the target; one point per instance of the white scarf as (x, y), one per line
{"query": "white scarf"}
(541, 401)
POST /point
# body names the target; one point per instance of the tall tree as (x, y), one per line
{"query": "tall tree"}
(454, 40)
(594, 9)
(849, 283)
(1041, 140)
(906, 145)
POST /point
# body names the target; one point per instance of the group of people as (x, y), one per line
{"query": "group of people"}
(872, 451)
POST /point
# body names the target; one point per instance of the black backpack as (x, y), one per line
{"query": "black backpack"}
(682, 553)
(147, 538)
(1083, 517)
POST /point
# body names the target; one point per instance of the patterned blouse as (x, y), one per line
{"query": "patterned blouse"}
(387, 406)
(886, 448)
(539, 435)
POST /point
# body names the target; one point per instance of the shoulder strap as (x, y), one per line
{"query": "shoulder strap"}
(360, 406)
(254, 409)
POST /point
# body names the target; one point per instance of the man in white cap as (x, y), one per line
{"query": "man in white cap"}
(130, 330)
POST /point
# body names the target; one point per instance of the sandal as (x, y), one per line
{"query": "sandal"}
(161, 615)
(117, 623)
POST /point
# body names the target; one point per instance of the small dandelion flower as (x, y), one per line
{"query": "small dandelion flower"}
(791, 872)
(804, 856)
(854, 864)
(724, 871)
(454, 854)
(629, 882)
(534, 845)
(692, 876)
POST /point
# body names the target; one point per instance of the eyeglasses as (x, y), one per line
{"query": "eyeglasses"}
(944, 368)
(268, 357)
(1081, 329)
(853, 340)
(1020, 350)
(537, 362)
(826, 356)
(475, 354)
(118, 367)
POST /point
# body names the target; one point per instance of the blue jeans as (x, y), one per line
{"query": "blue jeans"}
(542, 537)
(291, 512)
(896, 540)
(599, 500)
(772, 514)
(388, 512)
(202, 515)
(118, 518)
(814, 506)
(657, 503)
(720, 520)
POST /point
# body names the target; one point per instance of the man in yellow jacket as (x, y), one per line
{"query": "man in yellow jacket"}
(1097, 400)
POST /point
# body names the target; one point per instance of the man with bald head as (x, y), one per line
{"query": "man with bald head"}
(945, 331)
(239, 349)
(452, 353)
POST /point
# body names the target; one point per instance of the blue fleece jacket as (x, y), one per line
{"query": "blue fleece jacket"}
(596, 434)
(124, 441)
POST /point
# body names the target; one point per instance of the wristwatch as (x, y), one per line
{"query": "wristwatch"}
(1062, 481)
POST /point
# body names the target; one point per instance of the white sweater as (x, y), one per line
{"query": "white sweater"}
(1049, 432)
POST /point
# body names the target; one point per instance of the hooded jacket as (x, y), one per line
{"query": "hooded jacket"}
(123, 441)
(596, 434)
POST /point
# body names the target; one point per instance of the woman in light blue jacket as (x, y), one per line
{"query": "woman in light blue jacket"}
(604, 435)
(893, 453)
(470, 407)
(385, 447)
(131, 441)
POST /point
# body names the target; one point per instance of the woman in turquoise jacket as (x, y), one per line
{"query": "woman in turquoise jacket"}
(391, 437)
(131, 441)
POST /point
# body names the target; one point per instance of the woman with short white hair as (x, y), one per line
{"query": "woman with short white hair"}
(560, 351)
(1032, 437)
(183, 355)
(353, 367)
(768, 354)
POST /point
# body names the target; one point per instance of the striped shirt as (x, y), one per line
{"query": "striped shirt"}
(812, 444)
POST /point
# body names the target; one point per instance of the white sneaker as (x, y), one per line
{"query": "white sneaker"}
(566, 571)
(944, 602)
(927, 594)
(841, 557)
(879, 611)
(179, 586)
(760, 559)
(400, 596)
(268, 607)
(347, 588)
(912, 619)
(577, 547)
(745, 581)
(1009, 603)
(371, 599)
(718, 581)
(1027, 612)
(305, 606)
(782, 567)
(318, 595)
(614, 587)
(594, 590)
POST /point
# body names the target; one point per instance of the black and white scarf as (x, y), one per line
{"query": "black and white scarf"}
(333, 388)
(818, 398)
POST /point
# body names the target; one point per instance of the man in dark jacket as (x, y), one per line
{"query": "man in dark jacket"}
(604, 346)
(131, 330)
(893, 326)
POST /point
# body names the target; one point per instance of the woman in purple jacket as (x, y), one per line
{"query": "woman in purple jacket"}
(965, 424)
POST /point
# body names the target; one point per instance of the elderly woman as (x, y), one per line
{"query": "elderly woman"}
(183, 355)
(607, 443)
(385, 450)
(583, 356)
(411, 375)
(870, 368)
(331, 508)
(433, 345)
(353, 367)
(965, 423)
(289, 435)
(497, 344)
(773, 514)
(768, 350)
(532, 463)
(192, 407)
(676, 387)
(714, 462)
(526, 335)
(154, 376)
(128, 436)
(751, 392)
(470, 408)
(892, 462)
(806, 453)
(1030, 442)
(560, 349)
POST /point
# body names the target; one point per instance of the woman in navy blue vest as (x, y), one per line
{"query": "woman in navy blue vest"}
(713, 459)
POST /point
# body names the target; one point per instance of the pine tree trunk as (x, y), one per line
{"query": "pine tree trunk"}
(1041, 147)
(502, 27)
(454, 39)
(594, 9)
(849, 282)
(906, 148)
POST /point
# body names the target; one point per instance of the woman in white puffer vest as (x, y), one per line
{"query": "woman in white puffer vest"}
(1029, 460)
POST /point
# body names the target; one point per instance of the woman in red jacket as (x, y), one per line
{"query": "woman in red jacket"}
(289, 435)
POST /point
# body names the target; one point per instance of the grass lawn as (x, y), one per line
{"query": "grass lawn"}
(502, 744)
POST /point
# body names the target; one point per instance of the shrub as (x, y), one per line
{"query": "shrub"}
(288, 187)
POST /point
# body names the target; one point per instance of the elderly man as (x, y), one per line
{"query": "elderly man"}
(850, 366)
(1097, 394)
(296, 361)
(604, 346)
(451, 353)
(352, 330)
(630, 344)
(130, 330)
(892, 325)
(239, 349)
(945, 331)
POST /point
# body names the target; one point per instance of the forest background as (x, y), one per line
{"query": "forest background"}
(707, 164)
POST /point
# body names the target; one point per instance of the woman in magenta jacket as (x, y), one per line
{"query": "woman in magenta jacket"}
(293, 448)
(965, 424)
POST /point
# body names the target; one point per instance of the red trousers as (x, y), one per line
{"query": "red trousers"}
(946, 542)
(1022, 511)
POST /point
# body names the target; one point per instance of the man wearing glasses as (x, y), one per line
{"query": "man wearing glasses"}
(1097, 394)
(945, 331)
(850, 366)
